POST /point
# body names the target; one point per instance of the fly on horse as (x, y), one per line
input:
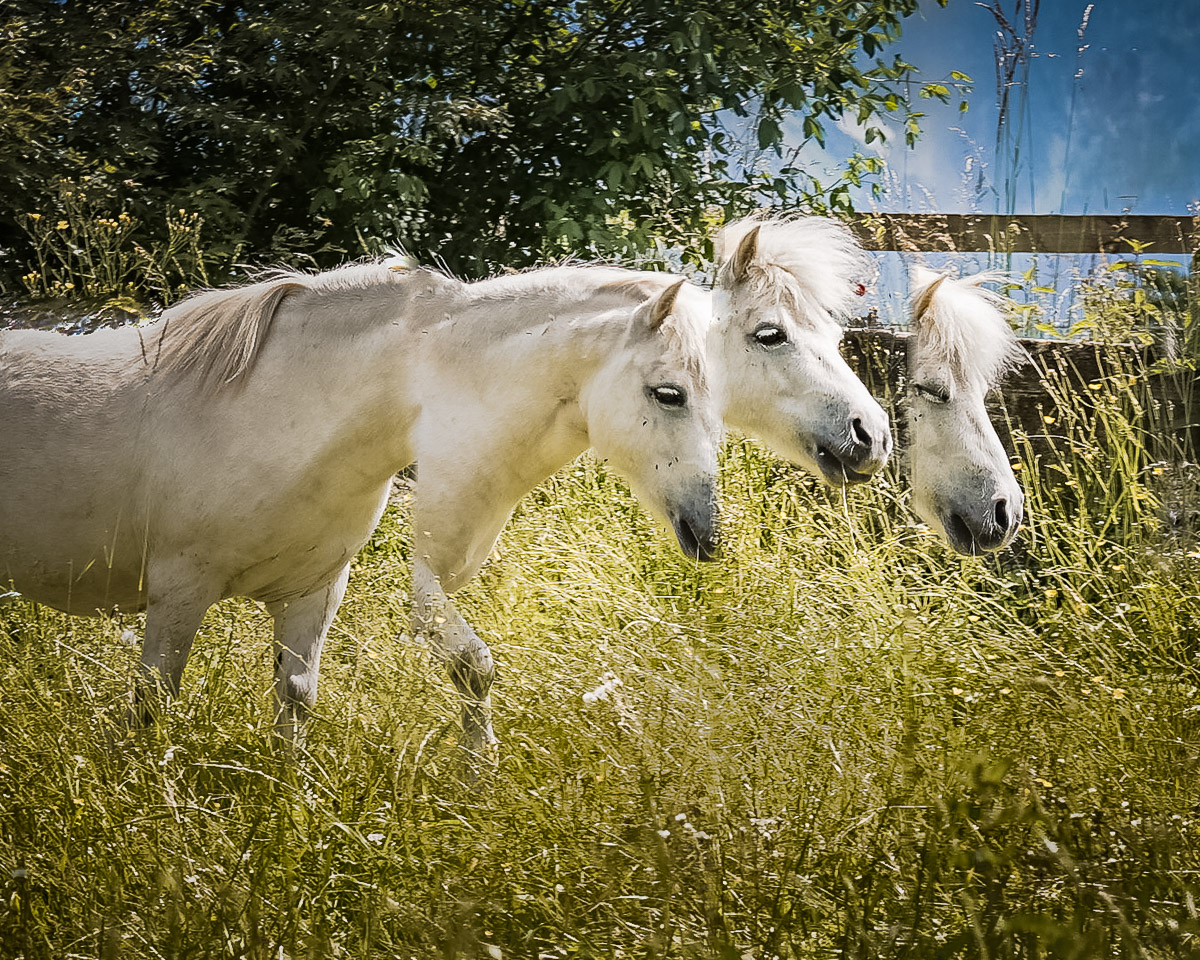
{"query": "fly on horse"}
(244, 445)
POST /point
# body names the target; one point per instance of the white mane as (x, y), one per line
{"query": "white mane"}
(573, 281)
(960, 323)
(815, 260)
(220, 332)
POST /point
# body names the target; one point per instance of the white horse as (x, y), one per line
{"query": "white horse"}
(963, 485)
(780, 286)
(244, 445)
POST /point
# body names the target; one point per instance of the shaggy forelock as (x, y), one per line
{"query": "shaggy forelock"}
(687, 332)
(961, 324)
(814, 262)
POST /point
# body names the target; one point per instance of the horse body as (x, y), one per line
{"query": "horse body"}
(72, 499)
(244, 445)
(113, 472)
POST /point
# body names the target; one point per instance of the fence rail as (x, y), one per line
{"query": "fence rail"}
(1050, 233)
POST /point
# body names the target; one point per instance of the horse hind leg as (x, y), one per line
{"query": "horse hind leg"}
(467, 659)
(301, 626)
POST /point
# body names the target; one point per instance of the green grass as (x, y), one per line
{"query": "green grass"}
(840, 740)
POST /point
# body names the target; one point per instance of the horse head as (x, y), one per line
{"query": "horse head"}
(964, 487)
(652, 414)
(775, 340)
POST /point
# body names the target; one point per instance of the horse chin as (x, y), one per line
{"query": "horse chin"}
(834, 469)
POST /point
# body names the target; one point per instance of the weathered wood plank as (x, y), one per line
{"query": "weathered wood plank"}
(949, 232)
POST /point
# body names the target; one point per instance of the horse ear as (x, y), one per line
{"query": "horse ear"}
(924, 299)
(746, 251)
(661, 308)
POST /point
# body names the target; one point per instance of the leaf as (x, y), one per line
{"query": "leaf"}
(434, 120)
(768, 133)
(814, 130)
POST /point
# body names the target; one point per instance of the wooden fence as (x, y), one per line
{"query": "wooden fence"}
(1058, 371)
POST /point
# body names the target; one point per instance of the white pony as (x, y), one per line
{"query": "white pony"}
(244, 446)
(963, 485)
(780, 286)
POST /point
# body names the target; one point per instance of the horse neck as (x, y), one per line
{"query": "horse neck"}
(565, 334)
(523, 358)
(330, 380)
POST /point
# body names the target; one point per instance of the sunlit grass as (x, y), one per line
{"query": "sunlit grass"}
(838, 740)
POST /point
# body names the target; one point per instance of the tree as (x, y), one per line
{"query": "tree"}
(489, 133)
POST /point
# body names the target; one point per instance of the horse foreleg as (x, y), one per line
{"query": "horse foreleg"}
(467, 658)
(301, 626)
(171, 625)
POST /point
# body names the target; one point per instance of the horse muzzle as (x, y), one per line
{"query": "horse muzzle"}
(974, 533)
(696, 525)
(859, 453)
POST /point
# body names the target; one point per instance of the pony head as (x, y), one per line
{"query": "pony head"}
(651, 412)
(780, 285)
(963, 485)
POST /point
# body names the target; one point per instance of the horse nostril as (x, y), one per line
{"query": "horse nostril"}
(860, 432)
(1000, 512)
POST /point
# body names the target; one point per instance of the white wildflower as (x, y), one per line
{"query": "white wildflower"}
(609, 685)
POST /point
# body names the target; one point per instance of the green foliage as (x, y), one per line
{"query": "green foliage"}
(488, 133)
(840, 740)
(79, 251)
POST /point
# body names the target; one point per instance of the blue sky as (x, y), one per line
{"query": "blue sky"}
(1112, 127)
(1112, 123)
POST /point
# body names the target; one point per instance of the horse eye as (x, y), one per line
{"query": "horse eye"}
(669, 396)
(933, 394)
(770, 335)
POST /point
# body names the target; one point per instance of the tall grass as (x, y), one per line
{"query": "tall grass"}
(840, 740)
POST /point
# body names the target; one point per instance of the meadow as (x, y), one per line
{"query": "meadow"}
(839, 740)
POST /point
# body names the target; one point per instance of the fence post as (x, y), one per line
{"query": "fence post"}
(1193, 292)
